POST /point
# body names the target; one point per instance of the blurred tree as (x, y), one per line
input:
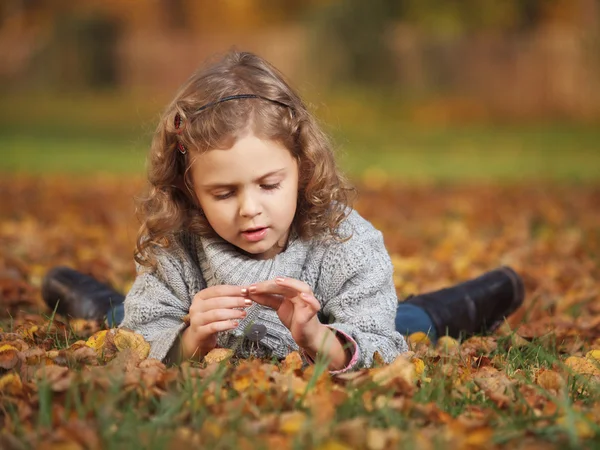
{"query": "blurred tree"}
(351, 40)
(85, 48)
(175, 13)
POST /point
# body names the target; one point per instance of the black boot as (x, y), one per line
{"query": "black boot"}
(78, 295)
(475, 306)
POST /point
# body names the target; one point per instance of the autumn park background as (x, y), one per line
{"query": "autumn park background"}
(472, 131)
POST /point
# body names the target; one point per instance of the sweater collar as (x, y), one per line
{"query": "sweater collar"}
(223, 263)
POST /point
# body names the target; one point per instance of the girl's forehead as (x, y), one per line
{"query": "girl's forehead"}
(250, 157)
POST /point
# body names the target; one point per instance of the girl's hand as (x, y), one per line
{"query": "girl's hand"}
(296, 306)
(213, 310)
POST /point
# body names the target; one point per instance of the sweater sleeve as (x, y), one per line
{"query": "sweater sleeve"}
(359, 298)
(159, 299)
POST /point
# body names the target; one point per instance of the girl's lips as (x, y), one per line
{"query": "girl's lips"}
(255, 235)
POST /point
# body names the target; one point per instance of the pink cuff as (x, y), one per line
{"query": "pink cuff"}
(353, 360)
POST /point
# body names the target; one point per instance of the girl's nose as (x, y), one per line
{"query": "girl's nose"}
(249, 206)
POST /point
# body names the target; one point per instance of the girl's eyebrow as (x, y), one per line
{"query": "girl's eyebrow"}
(261, 178)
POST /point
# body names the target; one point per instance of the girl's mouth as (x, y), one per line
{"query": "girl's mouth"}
(255, 235)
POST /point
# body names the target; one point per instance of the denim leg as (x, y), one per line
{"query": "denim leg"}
(115, 315)
(411, 318)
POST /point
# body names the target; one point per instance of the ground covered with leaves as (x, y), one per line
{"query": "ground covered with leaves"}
(533, 384)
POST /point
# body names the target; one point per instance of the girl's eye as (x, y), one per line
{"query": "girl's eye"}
(224, 196)
(270, 187)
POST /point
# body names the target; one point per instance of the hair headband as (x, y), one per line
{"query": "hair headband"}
(178, 120)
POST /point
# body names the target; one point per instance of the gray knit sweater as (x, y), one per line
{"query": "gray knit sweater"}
(352, 280)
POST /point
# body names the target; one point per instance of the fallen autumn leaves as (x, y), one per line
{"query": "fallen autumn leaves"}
(532, 385)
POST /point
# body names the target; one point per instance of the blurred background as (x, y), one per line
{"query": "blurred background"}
(415, 90)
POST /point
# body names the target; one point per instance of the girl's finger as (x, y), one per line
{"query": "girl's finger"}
(222, 290)
(272, 301)
(221, 303)
(216, 315)
(267, 287)
(311, 301)
(215, 327)
(283, 287)
(292, 283)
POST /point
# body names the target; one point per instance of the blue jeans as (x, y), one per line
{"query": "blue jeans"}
(409, 319)
(115, 315)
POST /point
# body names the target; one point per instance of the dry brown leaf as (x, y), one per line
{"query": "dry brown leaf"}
(479, 345)
(83, 327)
(9, 356)
(217, 355)
(352, 431)
(400, 369)
(287, 382)
(84, 355)
(293, 361)
(550, 380)
(496, 385)
(59, 378)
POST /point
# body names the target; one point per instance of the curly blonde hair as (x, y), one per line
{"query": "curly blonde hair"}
(171, 207)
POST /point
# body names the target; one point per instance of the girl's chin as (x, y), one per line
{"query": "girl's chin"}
(261, 251)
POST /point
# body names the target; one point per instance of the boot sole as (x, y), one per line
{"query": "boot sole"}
(519, 289)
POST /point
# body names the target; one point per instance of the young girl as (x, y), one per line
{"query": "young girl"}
(248, 240)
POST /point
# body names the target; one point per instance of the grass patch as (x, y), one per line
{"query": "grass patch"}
(111, 133)
(401, 152)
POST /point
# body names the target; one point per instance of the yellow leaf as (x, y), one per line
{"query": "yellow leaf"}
(582, 366)
(128, 339)
(376, 439)
(217, 355)
(593, 355)
(211, 428)
(334, 445)
(582, 426)
(6, 347)
(447, 343)
(479, 437)
(11, 384)
(96, 341)
(419, 366)
(28, 332)
(291, 422)
(241, 383)
(419, 338)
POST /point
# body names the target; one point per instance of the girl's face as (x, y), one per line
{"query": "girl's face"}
(248, 193)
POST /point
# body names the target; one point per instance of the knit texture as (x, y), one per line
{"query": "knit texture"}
(352, 280)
